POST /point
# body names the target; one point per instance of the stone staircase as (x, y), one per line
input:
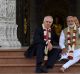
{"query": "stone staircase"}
(12, 61)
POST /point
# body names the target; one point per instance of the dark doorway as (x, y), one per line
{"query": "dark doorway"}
(22, 20)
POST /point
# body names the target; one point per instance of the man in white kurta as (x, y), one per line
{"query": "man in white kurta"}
(63, 42)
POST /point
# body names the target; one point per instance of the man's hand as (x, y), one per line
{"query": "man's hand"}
(49, 46)
(64, 50)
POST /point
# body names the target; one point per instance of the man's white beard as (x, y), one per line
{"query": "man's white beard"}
(71, 26)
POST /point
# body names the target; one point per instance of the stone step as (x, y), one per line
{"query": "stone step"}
(12, 61)
(31, 65)
(12, 53)
(30, 70)
(17, 61)
(26, 61)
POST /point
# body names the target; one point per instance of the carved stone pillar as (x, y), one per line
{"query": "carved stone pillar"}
(8, 26)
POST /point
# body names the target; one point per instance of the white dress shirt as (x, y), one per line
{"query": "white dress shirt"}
(62, 40)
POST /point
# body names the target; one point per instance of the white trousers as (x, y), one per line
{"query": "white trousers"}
(76, 58)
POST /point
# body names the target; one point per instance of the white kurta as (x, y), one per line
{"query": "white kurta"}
(76, 54)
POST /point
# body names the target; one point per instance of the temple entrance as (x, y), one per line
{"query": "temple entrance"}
(30, 14)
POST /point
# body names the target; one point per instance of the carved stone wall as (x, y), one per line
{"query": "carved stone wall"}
(8, 26)
(8, 11)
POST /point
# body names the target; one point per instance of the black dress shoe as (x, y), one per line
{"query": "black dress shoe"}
(44, 69)
(38, 70)
(41, 69)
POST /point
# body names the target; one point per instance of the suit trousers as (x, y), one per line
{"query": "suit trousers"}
(53, 56)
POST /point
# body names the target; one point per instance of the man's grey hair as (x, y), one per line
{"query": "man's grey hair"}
(48, 17)
(69, 17)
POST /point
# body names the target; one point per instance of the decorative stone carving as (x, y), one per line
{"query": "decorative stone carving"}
(8, 27)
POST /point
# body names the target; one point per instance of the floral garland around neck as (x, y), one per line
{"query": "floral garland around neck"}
(71, 45)
(47, 38)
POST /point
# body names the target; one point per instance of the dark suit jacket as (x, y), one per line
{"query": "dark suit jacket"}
(39, 39)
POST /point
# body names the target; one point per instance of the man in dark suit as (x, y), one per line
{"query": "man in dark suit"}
(44, 39)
